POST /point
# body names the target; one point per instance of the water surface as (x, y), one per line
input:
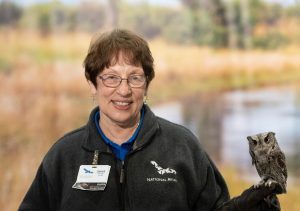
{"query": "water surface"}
(222, 121)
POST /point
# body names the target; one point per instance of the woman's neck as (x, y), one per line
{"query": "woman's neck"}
(118, 133)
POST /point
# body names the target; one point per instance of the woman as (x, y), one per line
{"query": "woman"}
(126, 158)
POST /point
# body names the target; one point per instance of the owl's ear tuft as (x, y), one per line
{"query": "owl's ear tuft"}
(272, 133)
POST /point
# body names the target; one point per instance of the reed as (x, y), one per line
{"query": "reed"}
(188, 69)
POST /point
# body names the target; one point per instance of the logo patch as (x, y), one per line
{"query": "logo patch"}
(167, 174)
(161, 170)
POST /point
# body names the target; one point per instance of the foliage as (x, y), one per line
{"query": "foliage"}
(208, 24)
(214, 23)
(293, 11)
(89, 17)
(177, 28)
(271, 40)
(54, 16)
(154, 21)
(9, 13)
(143, 18)
(43, 17)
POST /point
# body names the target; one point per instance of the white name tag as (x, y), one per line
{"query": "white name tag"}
(92, 177)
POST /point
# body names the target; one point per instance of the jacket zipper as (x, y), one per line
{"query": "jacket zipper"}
(122, 180)
(122, 173)
(122, 177)
(123, 183)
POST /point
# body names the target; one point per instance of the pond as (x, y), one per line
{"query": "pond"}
(222, 121)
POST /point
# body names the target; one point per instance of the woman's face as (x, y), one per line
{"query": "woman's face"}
(120, 105)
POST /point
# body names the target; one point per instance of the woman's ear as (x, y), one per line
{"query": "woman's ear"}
(92, 88)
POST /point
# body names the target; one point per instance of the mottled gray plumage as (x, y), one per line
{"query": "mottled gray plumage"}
(268, 159)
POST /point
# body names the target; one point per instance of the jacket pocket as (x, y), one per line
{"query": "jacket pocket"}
(82, 200)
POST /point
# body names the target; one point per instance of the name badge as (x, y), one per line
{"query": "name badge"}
(92, 177)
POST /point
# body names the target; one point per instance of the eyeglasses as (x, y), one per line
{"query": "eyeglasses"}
(113, 81)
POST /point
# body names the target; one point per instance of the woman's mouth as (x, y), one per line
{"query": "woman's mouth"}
(121, 105)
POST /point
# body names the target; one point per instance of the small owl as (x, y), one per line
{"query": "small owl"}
(268, 159)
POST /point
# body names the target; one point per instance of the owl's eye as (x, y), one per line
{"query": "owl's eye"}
(266, 140)
(254, 142)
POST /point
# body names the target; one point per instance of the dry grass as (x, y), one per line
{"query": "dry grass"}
(189, 69)
(44, 94)
(35, 111)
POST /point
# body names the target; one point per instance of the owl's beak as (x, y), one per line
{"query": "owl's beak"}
(249, 138)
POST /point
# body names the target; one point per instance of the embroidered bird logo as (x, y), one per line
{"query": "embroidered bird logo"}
(161, 170)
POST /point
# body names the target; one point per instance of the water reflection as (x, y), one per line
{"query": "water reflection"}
(222, 121)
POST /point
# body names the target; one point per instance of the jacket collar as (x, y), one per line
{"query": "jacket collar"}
(93, 141)
(149, 128)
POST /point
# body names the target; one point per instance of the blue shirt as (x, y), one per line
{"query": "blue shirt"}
(119, 150)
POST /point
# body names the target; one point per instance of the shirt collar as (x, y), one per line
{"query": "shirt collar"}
(92, 141)
(119, 150)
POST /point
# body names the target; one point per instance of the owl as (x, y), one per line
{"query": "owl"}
(268, 159)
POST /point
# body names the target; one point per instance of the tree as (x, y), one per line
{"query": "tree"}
(216, 11)
(90, 16)
(10, 13)
(194, 6)
(44, 24)
(112, 14)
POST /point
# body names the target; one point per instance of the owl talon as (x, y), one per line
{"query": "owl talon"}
(262, 182)
(269, 182)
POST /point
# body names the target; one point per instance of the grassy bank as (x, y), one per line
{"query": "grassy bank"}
(187, 70)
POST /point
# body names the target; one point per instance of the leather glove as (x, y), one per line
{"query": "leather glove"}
(262, 198)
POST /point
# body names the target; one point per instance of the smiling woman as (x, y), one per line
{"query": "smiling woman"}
(120, 103)
(126, 158)
(119, 71)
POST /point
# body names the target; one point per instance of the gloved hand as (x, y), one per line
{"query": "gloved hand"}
(262, 198)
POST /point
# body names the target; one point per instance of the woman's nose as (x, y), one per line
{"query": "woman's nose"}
(124, 89)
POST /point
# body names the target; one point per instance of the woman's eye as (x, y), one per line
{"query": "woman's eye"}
(112, 77)
(136, 77)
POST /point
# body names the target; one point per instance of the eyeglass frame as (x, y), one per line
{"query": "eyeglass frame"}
(122, 79)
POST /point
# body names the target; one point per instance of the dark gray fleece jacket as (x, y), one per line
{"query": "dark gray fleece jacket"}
(166, 170)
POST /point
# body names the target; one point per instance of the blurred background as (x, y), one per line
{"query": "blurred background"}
(225, 69)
